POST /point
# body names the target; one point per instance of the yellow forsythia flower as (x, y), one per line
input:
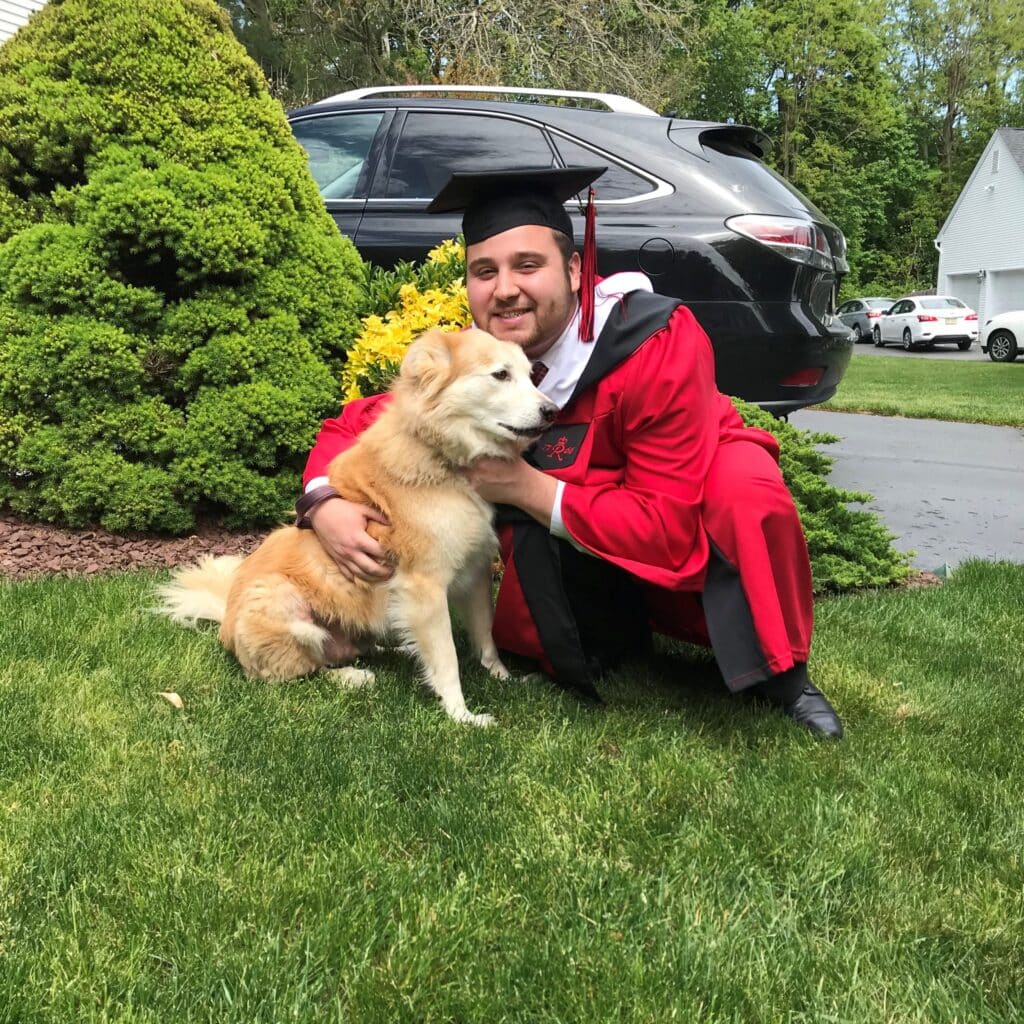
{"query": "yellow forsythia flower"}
(452, 249)
(378, 351)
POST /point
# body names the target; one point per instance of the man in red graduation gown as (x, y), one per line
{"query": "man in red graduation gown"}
(647, 506)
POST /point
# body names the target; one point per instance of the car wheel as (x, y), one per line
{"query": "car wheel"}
(1002, 347)
(858, 334)
(876, 333)
(964, 345)
(908, 340)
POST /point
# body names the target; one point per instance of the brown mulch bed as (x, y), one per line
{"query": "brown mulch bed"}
(33, 549)
(916, 580)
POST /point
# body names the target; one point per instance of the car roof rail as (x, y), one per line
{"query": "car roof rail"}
(615, 103)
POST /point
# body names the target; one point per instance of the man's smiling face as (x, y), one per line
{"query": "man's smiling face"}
(520, 287)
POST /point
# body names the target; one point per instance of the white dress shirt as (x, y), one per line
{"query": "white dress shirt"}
(568, 357)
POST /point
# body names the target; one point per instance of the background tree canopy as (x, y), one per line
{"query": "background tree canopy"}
(879, 108)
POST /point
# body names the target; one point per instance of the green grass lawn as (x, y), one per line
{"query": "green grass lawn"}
(296, 853)
(929, 388)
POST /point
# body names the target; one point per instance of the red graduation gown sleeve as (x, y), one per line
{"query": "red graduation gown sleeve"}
(339, 434)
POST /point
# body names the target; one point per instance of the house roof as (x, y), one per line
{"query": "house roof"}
(1013, 138)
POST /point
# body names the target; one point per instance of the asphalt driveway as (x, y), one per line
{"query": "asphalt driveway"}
(947, 353)
(949, 491)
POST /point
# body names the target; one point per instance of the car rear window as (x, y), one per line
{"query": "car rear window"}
(739, 167)
(879, 303)
(940, 302)
(616, 183)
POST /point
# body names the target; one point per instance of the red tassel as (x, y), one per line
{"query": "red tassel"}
(588, 274)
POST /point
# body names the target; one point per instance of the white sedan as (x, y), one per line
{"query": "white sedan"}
(1003, 336)
(921, 321)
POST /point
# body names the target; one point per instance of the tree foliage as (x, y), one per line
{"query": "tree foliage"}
(312, 48)
(174, 300)
(879, 108)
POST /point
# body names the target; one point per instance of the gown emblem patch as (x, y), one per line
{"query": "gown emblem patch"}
(560, 446)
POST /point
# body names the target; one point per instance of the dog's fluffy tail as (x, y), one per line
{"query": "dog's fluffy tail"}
(200, 591)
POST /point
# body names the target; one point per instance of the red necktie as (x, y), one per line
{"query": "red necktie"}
(538, 373)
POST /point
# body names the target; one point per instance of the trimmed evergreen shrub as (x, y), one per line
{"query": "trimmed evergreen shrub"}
(849, 548)
(175, 302)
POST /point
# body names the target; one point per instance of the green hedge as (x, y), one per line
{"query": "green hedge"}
(850, 548)
(175, 303)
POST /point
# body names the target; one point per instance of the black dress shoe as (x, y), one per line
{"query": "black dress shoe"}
(812, 710)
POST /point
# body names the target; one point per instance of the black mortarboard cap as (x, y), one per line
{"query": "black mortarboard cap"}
(496, 201)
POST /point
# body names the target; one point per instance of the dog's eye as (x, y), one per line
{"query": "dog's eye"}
(501, 375)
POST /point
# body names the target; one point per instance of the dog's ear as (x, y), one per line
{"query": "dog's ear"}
(428, 361)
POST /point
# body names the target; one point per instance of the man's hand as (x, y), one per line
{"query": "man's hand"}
(514, 482)
(340, 526)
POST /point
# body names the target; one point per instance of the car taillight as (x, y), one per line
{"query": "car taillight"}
(805, 378)
(927, 318)
(971, 316)
(797, 240)
(873, 314)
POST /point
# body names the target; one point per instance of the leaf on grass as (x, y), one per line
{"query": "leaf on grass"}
(172, 698)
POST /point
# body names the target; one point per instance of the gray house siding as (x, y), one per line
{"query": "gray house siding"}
(14, 14)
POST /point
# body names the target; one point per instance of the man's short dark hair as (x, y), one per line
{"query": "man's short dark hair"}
(565, 246)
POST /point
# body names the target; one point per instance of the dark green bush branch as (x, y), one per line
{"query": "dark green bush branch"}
(849, 548)
(175, 302)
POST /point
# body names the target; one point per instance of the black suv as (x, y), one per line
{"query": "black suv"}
(690, 203)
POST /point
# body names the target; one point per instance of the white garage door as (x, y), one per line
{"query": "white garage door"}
(1006, 291)
(966, 287)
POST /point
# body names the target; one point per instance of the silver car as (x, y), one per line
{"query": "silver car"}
(860, 315)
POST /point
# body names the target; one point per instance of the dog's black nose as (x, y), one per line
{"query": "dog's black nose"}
(548, 411)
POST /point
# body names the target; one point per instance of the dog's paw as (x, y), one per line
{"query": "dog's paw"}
(466, 717)
(352, 678)
(498, 670)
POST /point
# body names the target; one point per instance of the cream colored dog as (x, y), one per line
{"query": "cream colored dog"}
(286, 610)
